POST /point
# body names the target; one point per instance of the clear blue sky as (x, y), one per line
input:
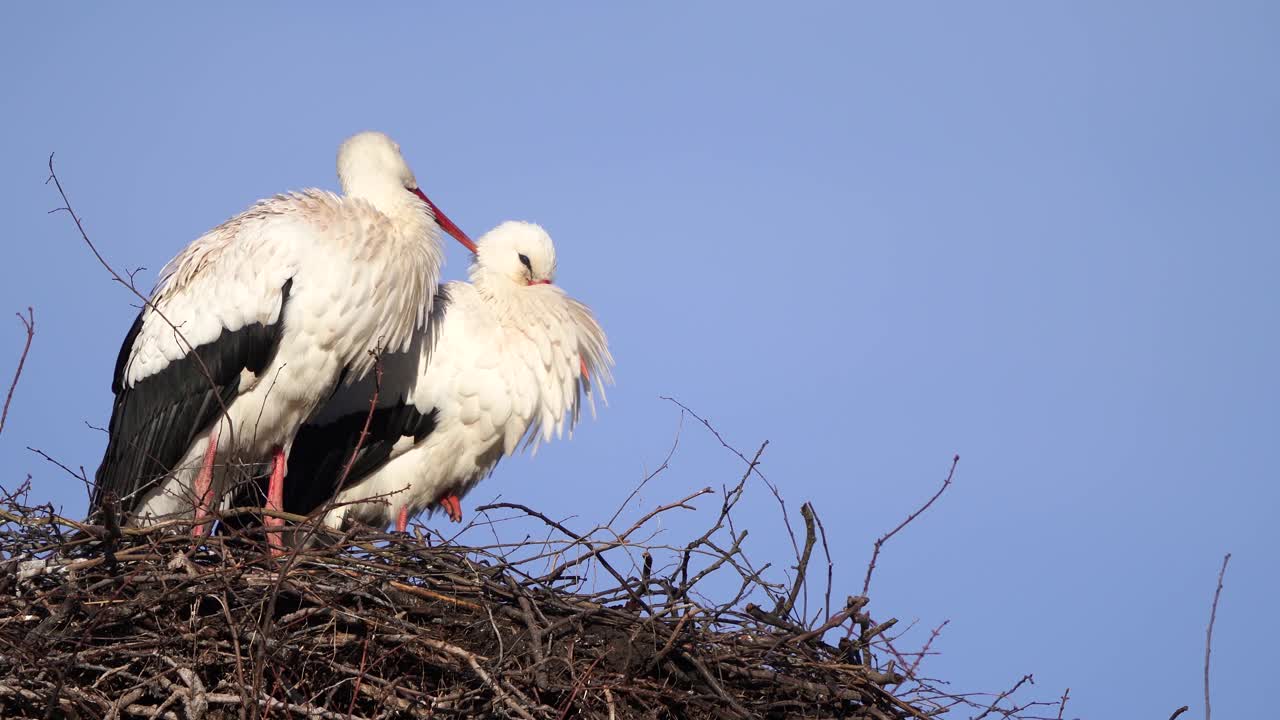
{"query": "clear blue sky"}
(1045, 236)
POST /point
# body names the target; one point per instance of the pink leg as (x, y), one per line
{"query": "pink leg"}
(453, 506)
(204, 487)
(275, 500)
(402, 520)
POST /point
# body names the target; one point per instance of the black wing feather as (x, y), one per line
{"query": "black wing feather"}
(321, 452)
(154, 422)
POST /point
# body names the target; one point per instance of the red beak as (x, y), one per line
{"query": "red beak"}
(445, 223)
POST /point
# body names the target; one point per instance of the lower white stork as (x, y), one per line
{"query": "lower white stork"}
(255, 324)
(506, 361)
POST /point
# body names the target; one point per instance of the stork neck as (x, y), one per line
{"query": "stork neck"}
(386, 194)
(391, 198)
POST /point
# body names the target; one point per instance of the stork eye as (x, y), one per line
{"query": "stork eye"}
(524, 259)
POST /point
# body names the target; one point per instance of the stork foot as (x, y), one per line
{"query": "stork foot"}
(402, 519)
(452, 506)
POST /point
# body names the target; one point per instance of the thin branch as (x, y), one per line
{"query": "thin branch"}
(666, 463)
(79, 476)
(911, 671)
(28, 323)
(368, 419)
(621, 540)
(826, 552)
(996, 703)
(875, 554)
(751, 467)
(1208, 635)
(622, 582)
(129, 284)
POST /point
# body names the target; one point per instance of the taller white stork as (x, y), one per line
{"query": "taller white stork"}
(256, 323)
(505, 363)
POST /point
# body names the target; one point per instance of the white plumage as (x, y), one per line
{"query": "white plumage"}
(505, 363)
(252, 325)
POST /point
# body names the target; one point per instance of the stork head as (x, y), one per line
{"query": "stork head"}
(518, 252)
(370, 166)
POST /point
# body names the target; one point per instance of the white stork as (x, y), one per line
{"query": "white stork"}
(505, 361)
(255, 324)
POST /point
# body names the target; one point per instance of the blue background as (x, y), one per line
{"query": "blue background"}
(1041, 235)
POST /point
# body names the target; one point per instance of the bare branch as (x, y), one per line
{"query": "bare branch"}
(77, 475)
(785, 606)
(1208, 635)
(826, 552)
(364, 431)
(911, 671)
(995, 705)
(875, 554)
(666, 463)
(29, 324)
(752, 466)
(132, 288)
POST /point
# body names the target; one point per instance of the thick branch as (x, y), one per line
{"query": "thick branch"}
(810, 537)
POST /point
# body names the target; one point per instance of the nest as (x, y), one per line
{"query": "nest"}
(104, 621)
(111, 622)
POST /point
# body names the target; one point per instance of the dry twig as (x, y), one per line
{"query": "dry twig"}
(1208, 635)
(130, 284)
(875, 554)
(28, 324)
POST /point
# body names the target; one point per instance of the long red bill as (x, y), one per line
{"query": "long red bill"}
(445, 223)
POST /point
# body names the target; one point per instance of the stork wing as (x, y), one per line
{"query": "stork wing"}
(595, 362)
(217, 312)
(572, 358)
